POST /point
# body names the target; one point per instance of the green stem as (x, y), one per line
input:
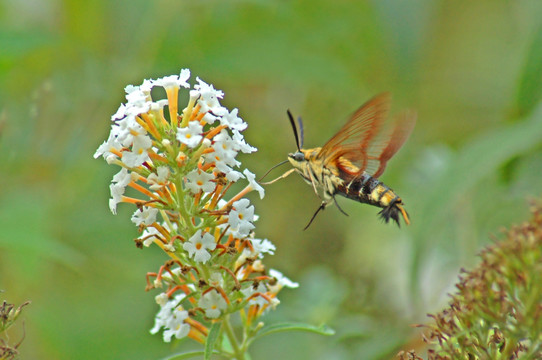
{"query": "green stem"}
(185, 217)
(238, 352)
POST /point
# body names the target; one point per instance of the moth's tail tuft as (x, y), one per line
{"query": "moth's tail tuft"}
(392, 212)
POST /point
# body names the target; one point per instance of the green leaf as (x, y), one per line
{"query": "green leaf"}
(530, 83)
(211, 339)
(186, 355)
(282, 327)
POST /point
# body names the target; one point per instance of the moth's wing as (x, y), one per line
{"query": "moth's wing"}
(352, 142)
(382, 149)
(361, 141)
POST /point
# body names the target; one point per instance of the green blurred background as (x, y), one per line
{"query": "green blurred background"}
(472, 69)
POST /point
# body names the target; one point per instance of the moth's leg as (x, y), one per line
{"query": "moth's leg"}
(338, 207)
(313, 182)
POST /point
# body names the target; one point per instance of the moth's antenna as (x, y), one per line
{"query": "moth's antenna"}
(276, 166)
(294, 128)
(300, 123)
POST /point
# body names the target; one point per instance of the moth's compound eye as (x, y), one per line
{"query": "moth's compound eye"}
(298, 156)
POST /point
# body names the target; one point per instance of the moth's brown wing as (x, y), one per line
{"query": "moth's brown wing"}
(352, 142)
(362, 142)
(382, 149)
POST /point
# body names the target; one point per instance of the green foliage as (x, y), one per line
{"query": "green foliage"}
(529, 91)
(285, 327)
(186, 355)
(210, 342)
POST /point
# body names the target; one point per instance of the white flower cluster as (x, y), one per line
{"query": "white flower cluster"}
(131, 145)
(182, 163)
(171, 317)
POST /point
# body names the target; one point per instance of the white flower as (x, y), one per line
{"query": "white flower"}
(200, 180)
(190, 135)
(258, 266)
(171, 317)
(171, 81)
(259, 247)
(241, 217)
(158, 180)
(149, 235)
(117, 191)
(121, 112)
(257, 300)
(183, 77)
(252, 181)
(146, 87)
(126, 129)
(216, 280)
(146, 216)
(209, 118)
(176, 325)
(213, 303)
(161, 299)
(105, 149)
(240, 143)
(223, 141)
(208, 100)
(194, 95)
(122, 177)
(117, 187)
(281, 281)
(139, 154)
(233, 121)
(169, 247)
(263, 246)
(224, 154)
(158, 105)
(138, 100)
(233, 175)
(198, 245)
(174, 81)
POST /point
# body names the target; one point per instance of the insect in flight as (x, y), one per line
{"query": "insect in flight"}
(351, 162)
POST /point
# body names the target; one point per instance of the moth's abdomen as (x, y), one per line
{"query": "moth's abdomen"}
(369, 190)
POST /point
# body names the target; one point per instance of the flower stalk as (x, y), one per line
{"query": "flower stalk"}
(8, 315)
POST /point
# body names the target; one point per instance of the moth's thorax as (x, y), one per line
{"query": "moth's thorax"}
(323, 177)
(308, 162)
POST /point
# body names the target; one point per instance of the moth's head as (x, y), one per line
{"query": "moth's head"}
(298, 158)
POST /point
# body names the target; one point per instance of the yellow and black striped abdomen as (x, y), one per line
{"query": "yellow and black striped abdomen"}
(369, 190)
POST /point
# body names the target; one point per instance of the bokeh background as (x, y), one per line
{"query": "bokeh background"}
(472, 69)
